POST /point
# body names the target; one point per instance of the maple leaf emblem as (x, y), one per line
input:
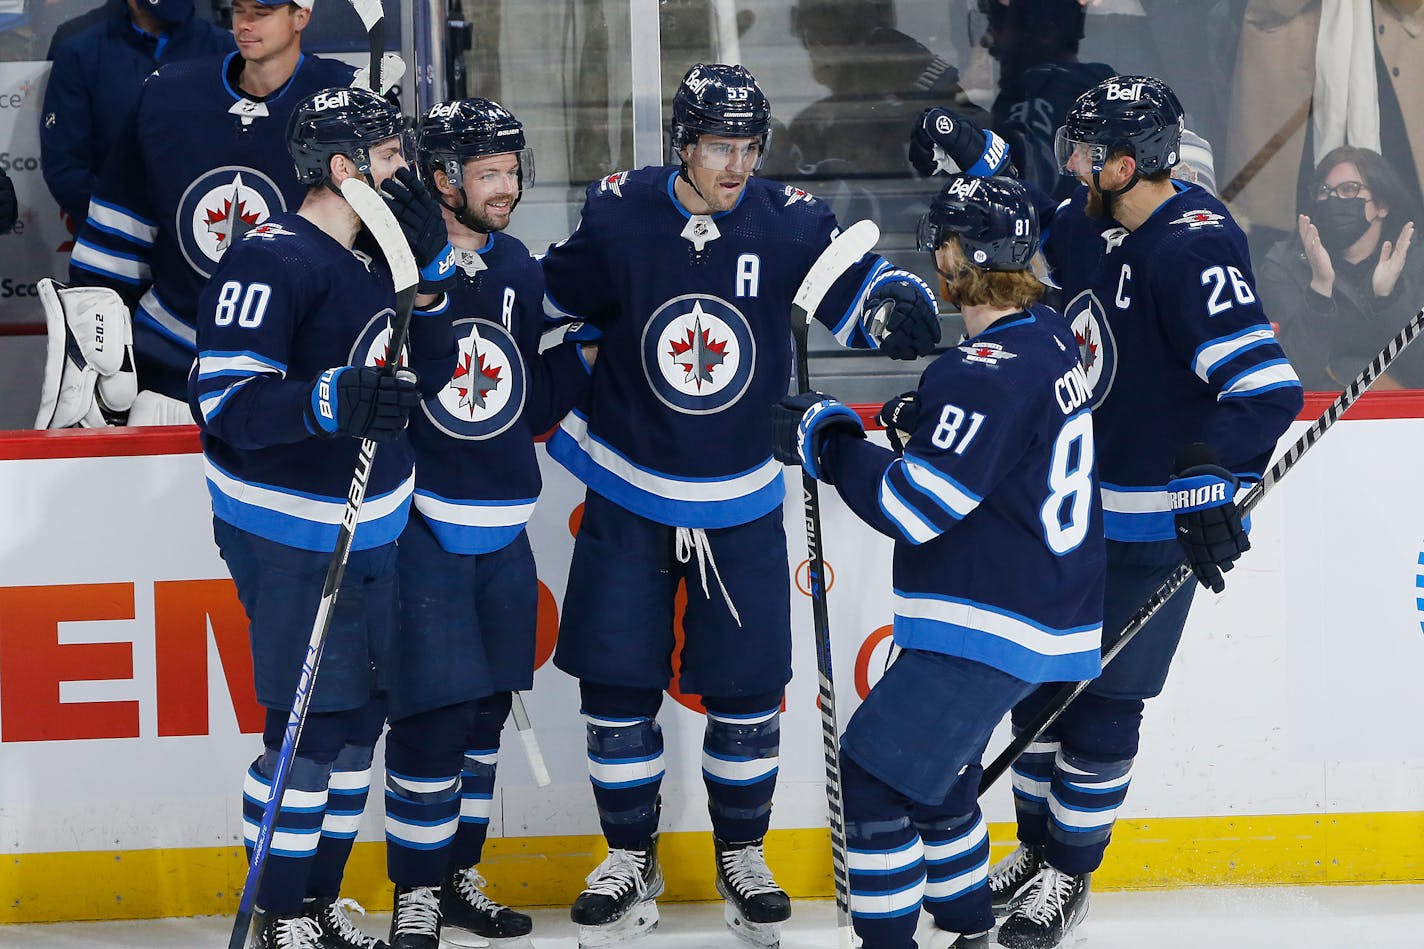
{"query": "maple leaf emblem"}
(698, 354)
(1087, 346)
(233, 219)
(472, 386)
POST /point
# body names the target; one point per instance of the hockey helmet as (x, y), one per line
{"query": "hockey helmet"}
(345, 120)
(994, 218)
(452, 133)
(718, 99)
(1138, 115)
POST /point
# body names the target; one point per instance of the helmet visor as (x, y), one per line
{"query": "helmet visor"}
(1077, 158)
(928, 236)
(509, 172)
(717, 153)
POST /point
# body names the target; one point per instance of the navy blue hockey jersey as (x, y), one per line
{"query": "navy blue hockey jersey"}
(477, 475)
(1176, 346)
(696, 344)
(994, 506)
(286, 303)
(198, 165)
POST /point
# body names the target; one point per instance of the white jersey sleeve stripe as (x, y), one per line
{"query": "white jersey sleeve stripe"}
(1268, 375)
(119, 266)
(952, 496)
(115, 220)
(915, 528)
(1216, 352)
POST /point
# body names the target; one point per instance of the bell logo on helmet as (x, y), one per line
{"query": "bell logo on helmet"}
(697, 82)
(963, 188)
(331, 100)
(1127, 93)
(444, 110)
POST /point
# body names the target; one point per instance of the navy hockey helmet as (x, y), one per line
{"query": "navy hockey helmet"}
(454, 132)
(1138, 115)
(718, 99)
(339, 121)
(994, 218)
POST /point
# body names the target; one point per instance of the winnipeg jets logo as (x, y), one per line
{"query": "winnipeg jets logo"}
(613, 183)
(698, 354)
(1097, 349)
(485, 395)
(272, 231)
(219, 208)
(794, 194)
(373, 343)
(1200, 219)
(985, 353)
(1113, 237)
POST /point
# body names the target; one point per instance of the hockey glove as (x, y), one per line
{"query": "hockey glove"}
(800, 425)
(1208, 524)
(9, 206)
(363, 402)
(419, 215)
(945, 142)
(900, 315)
(899, 416)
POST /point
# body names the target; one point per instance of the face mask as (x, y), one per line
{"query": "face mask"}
(1341, 222)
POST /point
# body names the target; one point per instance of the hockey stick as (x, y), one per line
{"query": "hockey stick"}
(372, 17)
(531, 742)
(1357, 387)
(835, 260)
(379, 220)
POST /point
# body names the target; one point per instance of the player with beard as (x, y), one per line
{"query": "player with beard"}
(689, 271)
(468, 589)
(1191, 390)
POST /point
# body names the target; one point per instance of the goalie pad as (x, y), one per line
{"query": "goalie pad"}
(392, 69)
(89, 369)
(153, 408)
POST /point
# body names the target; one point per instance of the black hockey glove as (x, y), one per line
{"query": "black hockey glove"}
(363, 402)
(899, 416)
(9, 207)
(800, 425)
(419, 215)
(900, 315)
(941, 137)
(1208, 524)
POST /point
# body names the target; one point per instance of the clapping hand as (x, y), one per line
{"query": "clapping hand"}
(1391, 261)
(1322, 269)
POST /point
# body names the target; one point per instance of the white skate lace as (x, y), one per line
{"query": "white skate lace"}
(470, 885)
(336, 922)
(299, 932)
(1004, 872)
(621, 871)
(417, 912)
(1046, 895)
(693, 540)
(747, 871)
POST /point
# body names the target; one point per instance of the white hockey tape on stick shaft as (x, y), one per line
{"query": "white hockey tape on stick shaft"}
(530, 740)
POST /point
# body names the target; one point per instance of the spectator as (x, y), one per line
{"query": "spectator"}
(1345, 282)
(9, 208)
(94, 85)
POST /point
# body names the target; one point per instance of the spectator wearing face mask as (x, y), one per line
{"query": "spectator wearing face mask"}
(1347, 280)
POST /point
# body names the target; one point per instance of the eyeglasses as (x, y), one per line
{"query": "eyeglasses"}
(1345, 189)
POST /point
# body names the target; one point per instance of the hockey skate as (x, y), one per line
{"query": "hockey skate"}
(756, 906)
(1046, 914)
(620, 903)
(415, 921)
(337, 929)
(1011, 875)
(289, 932)
(470, 918)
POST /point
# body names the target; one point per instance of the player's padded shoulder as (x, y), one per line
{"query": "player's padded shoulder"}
(1194, 218)
(623, 186)
(785, 199)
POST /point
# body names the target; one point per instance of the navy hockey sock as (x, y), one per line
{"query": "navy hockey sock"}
(1083, 805)
(625, 761)
(477, 778)
(294, 836)
(957, 870)
(887, 860)
(739, 764)
(1032, 774)
(346, 794)
(423, 755)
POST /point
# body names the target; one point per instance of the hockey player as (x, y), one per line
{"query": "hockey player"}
(202, 160)
(290, 331)
(991, 500)
(689, 272)
(468, 589)
(1190, 392)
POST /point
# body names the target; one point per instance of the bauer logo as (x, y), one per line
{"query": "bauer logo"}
(698, 354)
(219, 209)
(486, 394)
(1097, 350)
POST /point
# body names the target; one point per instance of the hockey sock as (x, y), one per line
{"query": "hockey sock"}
(346, 793)
(477, 779)
(739, 763)
(625, 761)
(423, 756)
(296, 833)
(1032, 773)
(957, 864)
(1090, 779)
(887, 860)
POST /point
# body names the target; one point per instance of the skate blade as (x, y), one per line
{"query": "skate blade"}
(640, 920)
(763, 935)
(467, 940)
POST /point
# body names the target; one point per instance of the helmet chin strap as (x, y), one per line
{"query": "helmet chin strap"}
(1110, 196)
(682, 173)
(462, 213)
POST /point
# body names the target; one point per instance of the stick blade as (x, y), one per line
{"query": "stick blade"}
(843, 252)
(377, 216)
(369, 11)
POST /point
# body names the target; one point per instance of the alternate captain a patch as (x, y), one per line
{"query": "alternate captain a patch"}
(486, 393)
(698, 354)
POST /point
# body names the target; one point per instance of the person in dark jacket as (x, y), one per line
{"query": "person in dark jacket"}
(94, 85)
(1347, 281)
